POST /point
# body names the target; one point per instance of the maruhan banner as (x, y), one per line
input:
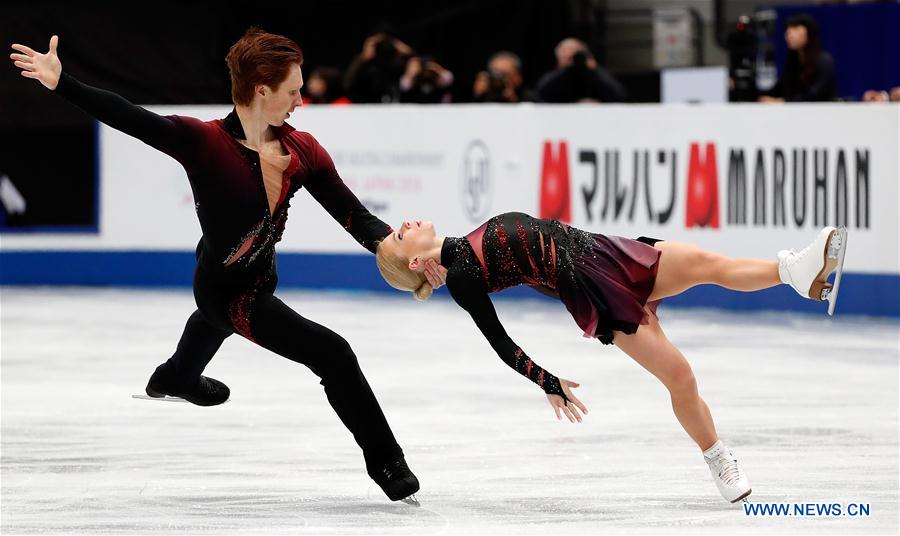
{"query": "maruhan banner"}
(744, 180)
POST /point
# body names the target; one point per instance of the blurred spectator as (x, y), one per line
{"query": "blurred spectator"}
(578, 78)
(502, 81)
(324, 86)
(374, 75)
(874, 95)
(809, 71)
(425, 81)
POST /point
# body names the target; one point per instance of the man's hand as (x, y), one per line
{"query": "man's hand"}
(435, 274)
(46, 68)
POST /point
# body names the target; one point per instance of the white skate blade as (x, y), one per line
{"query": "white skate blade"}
(161, 399)
(841, 250)
(411, 500)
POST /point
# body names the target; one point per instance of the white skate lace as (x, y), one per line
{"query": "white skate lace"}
(796, 255)
(728, 469)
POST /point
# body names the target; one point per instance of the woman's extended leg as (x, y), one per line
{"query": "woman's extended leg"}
(653, 351)
(682, 266)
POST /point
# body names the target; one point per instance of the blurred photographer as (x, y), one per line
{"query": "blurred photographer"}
(374, 75)
(502, 81)
(425, 81)
(323, 86)
(578, 77)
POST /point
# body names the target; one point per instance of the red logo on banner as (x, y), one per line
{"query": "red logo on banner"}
(702, 188)
(555, 200)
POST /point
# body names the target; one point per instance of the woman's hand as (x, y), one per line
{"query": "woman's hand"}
(571, 408)
(44, 67)
(435, 274)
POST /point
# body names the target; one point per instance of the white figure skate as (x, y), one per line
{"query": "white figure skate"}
(726, 471)
(807, 270)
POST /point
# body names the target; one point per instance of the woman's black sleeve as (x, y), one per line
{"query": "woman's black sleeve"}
(477, 303)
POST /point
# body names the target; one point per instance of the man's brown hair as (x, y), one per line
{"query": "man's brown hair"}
(260, 58)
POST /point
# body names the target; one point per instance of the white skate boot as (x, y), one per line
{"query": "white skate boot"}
(730, 478)
(807, 270)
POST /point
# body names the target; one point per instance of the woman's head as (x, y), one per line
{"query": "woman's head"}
(802, 33)
(265, 71)
(401, 257)
(804, 49)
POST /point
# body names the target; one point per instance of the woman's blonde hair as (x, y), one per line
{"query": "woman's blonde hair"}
(395, 270)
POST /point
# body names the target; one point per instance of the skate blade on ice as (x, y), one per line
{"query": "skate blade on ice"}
(837, 249)
(159, 399)
(411, 500)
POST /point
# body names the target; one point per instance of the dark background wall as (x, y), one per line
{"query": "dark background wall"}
(173, 52)
(165, 52)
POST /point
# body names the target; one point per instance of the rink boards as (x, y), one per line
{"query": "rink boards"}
(744, 180)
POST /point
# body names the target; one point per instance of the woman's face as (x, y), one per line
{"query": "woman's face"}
(796, 37)
(412, 239)
(278, 104)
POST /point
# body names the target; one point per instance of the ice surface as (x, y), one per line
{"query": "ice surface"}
(809, 404)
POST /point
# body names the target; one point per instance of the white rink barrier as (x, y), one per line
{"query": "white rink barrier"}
(743, 180)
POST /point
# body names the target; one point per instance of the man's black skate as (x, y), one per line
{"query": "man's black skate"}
(204, 392)
(397, 481)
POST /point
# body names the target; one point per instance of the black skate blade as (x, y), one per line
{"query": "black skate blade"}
(159, 399)
(412, 501)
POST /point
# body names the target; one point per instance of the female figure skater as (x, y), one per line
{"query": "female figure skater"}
(243, 171)
(611, 286)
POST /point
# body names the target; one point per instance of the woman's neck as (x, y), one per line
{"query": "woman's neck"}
(435, 251)
(256, 130)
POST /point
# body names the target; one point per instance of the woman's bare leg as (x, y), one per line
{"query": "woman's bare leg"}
(682, 266)
(653, 351)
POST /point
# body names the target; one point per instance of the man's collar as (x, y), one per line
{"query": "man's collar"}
(232, 124)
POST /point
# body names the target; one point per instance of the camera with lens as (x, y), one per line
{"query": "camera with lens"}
(385, 50)
(427, 78)
(580, 60)
(497, 81)
(751, 55)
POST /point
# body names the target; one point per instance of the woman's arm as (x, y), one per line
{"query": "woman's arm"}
(478, 304)
(167, 134)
